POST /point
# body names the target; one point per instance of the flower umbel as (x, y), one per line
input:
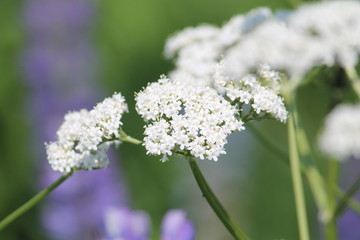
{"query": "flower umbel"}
(85, 136)
(192, 119)
(260, 90)
(341, 136)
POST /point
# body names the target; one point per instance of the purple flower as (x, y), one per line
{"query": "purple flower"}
(122, 223)
(60, 70)
(348, 223)
(176, 226)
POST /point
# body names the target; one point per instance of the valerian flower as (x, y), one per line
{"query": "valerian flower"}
(182, 117)
(85, 136)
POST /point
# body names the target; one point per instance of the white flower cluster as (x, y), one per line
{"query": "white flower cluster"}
(335, 24)
(260, 90)
(85, 136)
(187, 118)
(278, 45)
(316, 34)
(197, 50)
(341, 136)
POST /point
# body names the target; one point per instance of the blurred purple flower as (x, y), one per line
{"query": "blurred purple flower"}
(61, 72)
(176, 226)
(122, 223)
(348, 224)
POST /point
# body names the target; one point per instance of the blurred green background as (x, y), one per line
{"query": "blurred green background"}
(129, 37)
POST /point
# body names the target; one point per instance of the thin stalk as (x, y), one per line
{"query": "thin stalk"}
(311, 171)
(269, 144)
(346, 199)
(220, 211)
(295, 168)
(354, 79)
(33, 201)
(332, 179)
(130, 140)
(125, 138)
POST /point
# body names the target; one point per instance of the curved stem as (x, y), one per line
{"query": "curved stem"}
(269, 144)
(229, 223)
(125, 138)
(33, 201)
(130, 140)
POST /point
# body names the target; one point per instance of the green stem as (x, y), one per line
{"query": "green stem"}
(332, 179)
(354, 79)
(33, 201)
(295, 168)
(130, 140)
(269, 144)
(311, 171)
(346, 199)
(228, 222)
(125, 138)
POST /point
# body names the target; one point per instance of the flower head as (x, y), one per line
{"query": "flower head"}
(341, 136)
(122, 223)
(194, 119)
(260, 90)
(176, 226)
(85, 136)
(335, 24)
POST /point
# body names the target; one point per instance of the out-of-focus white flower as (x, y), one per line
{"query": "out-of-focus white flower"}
(197, 50)
(187, 118)
(280, 47)
(85, 136)
(341, 136)
(261, 90)
(188, 36)
(316, 34)
(336, 24)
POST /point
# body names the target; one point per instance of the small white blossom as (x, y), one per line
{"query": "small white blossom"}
(261, 90)
(341, 136)
(103, 122)
(183, 117)
(85, 136)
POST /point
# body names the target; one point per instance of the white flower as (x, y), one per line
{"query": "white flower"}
(103, 122)
(85, 136)
(197, 50)
(341, 136)
(279, 46)
(187, 118)
(188, 36)
(316, 34)
(336, 24)
(261, 90)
